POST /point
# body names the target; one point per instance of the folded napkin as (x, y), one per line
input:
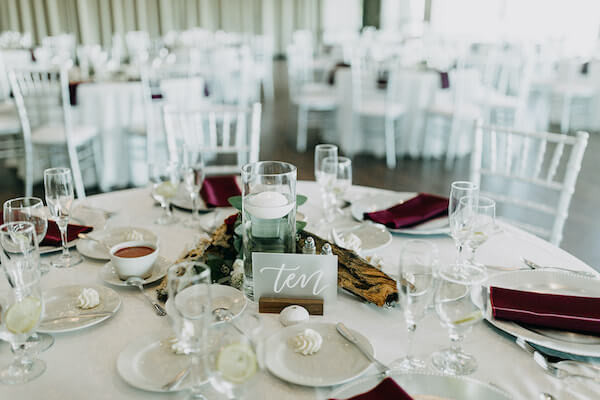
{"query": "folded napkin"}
(52, 237)
(444, 80)
(331, 75)
(216, 190)
(572, 313)
(387, 389)
(412, 212)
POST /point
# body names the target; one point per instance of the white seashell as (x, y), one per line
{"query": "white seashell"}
(307, 342)
(292, 315)
(351, 242)
(89, 298)
(375, 261)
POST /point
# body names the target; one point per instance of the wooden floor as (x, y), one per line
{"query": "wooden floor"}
(582, 230)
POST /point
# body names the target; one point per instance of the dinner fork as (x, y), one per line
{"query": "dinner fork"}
(558, 372)
(523, 344)
(534, 265)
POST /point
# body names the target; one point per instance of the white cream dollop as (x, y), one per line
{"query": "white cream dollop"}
(88, 298)
(307, 342)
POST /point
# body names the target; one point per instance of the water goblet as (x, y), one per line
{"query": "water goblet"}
(193, 178)
(483, 226)
(165, 178)
(58, 184)
(458, 301)
(418, 260)
(22, 307)
(458, 230)
(338, 172)
(323, 151)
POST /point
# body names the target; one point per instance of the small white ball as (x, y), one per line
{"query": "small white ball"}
(292, 315)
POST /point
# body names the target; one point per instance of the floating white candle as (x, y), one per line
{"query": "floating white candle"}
(268, 205)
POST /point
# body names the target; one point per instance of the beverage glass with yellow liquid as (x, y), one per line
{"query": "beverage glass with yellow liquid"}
(165, 178)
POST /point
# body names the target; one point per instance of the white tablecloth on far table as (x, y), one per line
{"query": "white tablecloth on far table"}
(82, 365)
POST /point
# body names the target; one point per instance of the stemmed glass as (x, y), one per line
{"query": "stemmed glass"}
(193, 178)
(483, 225)
(460, 230)
(418, 259)
(165, 178)
(190, 311)
(31, 209)
(457, 300)
(23, 307)
(323, 151)
(337, 173)
(58, 184)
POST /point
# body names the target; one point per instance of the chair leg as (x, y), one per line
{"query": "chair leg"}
(453, 138)
(98, 160)
(390, 143)
(565, 115)
(302, 129)
(268, 88)
(76, 171)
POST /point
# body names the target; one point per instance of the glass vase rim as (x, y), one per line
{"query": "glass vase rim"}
(464, 185)
(57, 171)
(293, 170)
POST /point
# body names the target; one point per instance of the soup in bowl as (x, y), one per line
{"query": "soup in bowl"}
(134, 258)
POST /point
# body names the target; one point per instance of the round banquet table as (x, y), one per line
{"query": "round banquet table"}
(82, 364)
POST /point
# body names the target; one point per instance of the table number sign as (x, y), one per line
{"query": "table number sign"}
(285, 277)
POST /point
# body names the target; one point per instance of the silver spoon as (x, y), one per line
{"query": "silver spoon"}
(534, 266)
(87, 237)
(139, 282)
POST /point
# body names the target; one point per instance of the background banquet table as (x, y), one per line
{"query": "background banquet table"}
(82, 364)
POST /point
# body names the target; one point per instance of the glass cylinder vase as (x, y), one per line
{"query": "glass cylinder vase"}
(268, 213)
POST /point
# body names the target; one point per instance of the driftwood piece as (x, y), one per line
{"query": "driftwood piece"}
(356, 275)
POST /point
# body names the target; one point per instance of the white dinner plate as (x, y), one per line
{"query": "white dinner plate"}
(338, 361)
(184, 201)
(159, 270)
(62, 302)
(553, 282)
(425, 384)
(223, 297)
(111, 237)
(373, 237)
(148, 363)
(371, 203)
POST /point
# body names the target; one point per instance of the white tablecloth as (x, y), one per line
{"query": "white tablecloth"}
(82, 364)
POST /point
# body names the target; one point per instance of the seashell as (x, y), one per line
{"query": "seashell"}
(292, 315)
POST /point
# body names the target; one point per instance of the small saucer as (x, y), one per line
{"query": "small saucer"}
(159, 270)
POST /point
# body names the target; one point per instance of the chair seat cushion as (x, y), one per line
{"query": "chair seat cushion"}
(447, 108)
(316, 96)
(378, 107)
(51, 134)
(9, 123)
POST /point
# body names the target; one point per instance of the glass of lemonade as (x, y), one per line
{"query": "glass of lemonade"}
(268, 212)
(22, 307)
(165, 178)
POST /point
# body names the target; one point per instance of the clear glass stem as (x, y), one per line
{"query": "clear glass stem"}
(22, 360)
(459, 253)
(167, 208)
(471, 255)
(410, 339)
(62, 227)
(197, 371)
(195, 208)
(456, 343)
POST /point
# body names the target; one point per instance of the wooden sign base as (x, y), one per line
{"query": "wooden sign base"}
(274, 305)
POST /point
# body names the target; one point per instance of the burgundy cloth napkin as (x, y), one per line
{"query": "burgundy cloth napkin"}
(444, 80)
(331, 75)
(73, 92)
(52, 237)
(387, 389)
(572, 313)
(217, 189)
(412, 212)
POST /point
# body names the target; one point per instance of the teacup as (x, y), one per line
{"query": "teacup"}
(134, 258)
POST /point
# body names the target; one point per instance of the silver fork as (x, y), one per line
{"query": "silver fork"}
(523, 344)
(558, 372)
(534, 265)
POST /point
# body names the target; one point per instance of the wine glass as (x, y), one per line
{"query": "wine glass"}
(457, 303)
(23, 307)
(483, 225)
(31, 209)
(418, 259)
(323, 151)
(193, 178)
(58, 184)
(190, 311)
(458, 230)
(165, 178)
(338, 174)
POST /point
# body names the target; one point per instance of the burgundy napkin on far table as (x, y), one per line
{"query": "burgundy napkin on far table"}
(412, 212)
(572, 313)
(52, 237)
(387, 389)
(217, 189)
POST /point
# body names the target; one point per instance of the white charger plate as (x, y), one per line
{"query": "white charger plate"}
(222, 296)
(553, 282)
(437, 226)
(159, 270)
(62, 301)
(425, 384)
(111, 237)
(338, 361)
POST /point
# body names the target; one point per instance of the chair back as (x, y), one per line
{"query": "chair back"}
(10, 59)
(234, 79)
(531, 175)
(228, 136)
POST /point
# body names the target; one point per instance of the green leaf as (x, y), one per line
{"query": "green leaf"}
(300, 225)
(236, 202)
(300, 199)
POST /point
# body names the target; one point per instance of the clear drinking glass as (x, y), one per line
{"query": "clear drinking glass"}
(338, 175)
(22, 307)
(31, 209)
(268, 212)
(483, 225)
(458, 230)
(193, 178)
(457, 303)
(418, 261)
(190, 312)
(58, 184)
(323, 151)
(165, 178)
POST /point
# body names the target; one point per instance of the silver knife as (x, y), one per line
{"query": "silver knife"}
(523, 344)
(75, 318)
(345, 332)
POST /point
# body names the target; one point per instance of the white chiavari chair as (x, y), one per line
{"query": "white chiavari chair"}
(531, 175)
(61, 48)
(262, 50)
(43, 103)
(234, 79)
(228, 136)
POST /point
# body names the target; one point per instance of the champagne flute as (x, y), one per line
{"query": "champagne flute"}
(457, 303)
(190, 311)
(58, 184)
(23, 306)
(193, 178)
(165, 178)
(458, 230)
(483, 226)
(31, 209)
(323, 151)
(418, 260)
(339, 172)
